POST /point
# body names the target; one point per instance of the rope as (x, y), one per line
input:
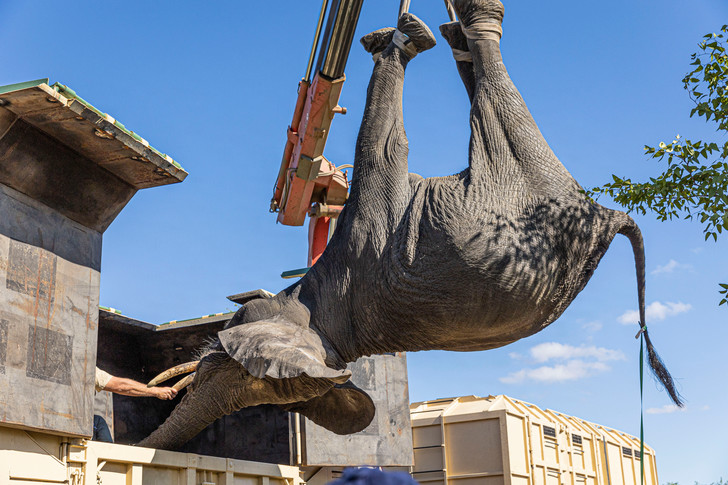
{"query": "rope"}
(642, 420)
(463, 56)
(402, 41)
(641, 336)
(483, 31)
(450, 11)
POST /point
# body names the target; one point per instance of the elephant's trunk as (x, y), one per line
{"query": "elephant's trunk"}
(210, 397)
(222, 386)
(633, 233)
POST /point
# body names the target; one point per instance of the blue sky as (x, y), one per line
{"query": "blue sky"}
(213, 85)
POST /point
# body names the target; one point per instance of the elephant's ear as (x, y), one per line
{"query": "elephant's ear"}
(279, 349)
(344, 409)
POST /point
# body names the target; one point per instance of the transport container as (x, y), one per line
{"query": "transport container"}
(139, 350)
(33, 458)
(500, 440)
(66, 171)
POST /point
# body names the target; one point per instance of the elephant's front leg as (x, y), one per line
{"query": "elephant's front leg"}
(380, 183)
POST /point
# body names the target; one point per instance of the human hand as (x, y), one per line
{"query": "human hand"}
(164, 393)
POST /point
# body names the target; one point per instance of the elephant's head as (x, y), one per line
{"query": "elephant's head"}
(472, 261)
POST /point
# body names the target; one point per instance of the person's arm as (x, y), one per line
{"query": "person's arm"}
(129, 387)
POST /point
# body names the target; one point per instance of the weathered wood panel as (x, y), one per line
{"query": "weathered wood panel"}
(23, 219)
(387, 441)
(48, 318)
(41, 167)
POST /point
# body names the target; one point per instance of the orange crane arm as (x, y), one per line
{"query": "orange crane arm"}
(305, 176)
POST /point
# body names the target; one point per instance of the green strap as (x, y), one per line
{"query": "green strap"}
(642, 426)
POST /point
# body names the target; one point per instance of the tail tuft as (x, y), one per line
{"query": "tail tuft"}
(660, 372)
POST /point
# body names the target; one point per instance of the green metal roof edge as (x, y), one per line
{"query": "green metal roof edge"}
(118, 312)
(295, 273)
(18, 86)
(109, 309)
(70, 93)
(196, 318)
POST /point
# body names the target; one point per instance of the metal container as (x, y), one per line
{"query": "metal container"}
(140, 350)
(31, 458)
(500, 440)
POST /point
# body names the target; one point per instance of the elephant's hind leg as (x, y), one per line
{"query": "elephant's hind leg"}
(506, 146)
(380, 168)
(453, 34)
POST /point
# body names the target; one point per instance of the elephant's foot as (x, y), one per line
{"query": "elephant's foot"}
(453, 34)
(480, 19)
(412, 36)
(417, 36)
(375, 42)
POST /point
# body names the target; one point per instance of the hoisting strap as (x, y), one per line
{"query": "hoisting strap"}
(462, 56)
(403, 7)
(450, 11)
(642, 421)
(483, 30)
(402, 41)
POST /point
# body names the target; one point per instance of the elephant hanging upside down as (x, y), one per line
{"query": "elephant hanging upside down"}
(472, 261)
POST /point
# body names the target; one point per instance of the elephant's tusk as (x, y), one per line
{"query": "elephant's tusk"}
(184, 382)
(174, 371)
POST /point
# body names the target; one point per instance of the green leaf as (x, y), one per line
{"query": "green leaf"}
(694, 180)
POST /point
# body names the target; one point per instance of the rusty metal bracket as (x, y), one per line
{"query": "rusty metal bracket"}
(309, 168)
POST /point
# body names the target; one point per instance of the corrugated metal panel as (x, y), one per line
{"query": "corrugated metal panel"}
(499, 440)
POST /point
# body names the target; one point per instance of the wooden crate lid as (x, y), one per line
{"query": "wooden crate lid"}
(59, 112)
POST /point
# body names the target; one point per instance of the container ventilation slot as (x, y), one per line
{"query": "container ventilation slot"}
(626, 451)
(576, 439)
(549, 431)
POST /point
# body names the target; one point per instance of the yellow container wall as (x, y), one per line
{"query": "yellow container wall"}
(473, 447)
(36, 458)
(500, 440)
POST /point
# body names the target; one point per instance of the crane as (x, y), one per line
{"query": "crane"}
(308, 184)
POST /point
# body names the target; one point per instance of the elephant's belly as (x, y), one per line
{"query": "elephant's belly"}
(483, 316)
(490, 279)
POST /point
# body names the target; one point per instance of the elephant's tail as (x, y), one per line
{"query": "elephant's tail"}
(630, 229)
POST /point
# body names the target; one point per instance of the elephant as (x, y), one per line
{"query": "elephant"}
(470, 261)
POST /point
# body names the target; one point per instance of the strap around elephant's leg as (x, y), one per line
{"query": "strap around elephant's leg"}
(462, 56)
(403, 41)
(484, 30)
(453, 34)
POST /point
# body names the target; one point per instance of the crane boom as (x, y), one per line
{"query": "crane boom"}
(306, 177)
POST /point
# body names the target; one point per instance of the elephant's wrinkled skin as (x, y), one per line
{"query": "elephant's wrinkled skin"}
(472, 261)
